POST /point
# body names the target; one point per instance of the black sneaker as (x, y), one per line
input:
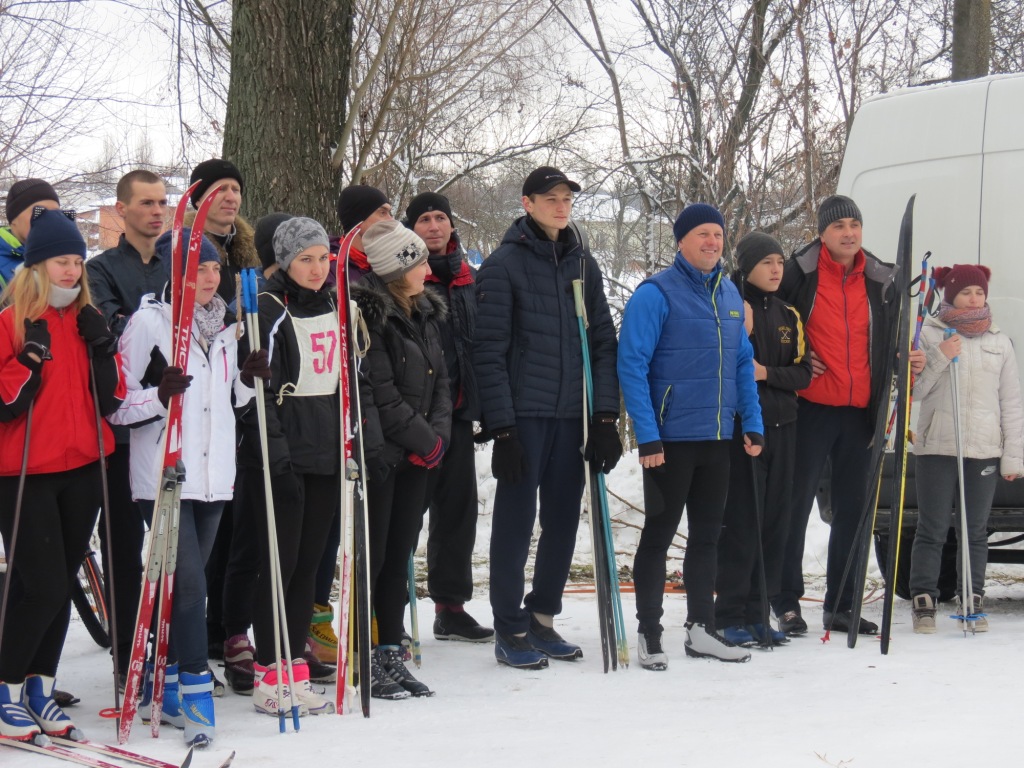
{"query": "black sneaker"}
(391, 660)
(840, 621)
(459, 625)
(382, 685)
(318, 671)
(792, 624)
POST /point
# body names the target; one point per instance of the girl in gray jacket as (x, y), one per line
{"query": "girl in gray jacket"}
(991, 423)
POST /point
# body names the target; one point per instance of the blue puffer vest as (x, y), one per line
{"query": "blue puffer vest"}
(693, 369)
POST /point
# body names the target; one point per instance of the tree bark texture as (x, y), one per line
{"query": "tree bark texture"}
(972, 38)
(286, 103)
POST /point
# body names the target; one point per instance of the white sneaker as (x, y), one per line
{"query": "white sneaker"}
(977, 610)
(264, 694)
(704, 643)
(922, 613)
(650, 652)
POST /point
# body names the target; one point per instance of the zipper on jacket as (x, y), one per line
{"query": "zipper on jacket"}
(718, 327)
(664, 404)
(849, 354)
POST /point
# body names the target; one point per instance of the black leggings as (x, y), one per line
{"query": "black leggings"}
(694, 475)
(58, 513)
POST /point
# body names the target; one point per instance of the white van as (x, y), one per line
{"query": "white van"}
(960, 149)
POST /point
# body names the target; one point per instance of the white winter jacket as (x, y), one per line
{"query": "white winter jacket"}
(991, 413)
(208, 420)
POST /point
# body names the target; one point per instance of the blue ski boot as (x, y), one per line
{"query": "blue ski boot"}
(170, 713)
(15, 721)
(550, 643)
(197, 708)
(776, 637)
(738, 635)
(517, 652)
(37, 696)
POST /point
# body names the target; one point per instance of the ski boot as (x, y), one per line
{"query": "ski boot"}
(238, 669)
(170, 713)
(391, 660)
(264, 695)
(451, 622)
(311, 698)
(545, 639)
(15, 721)
(197, 708)
(702, 642)
(37, 695)
(321, 633)
(650, 652)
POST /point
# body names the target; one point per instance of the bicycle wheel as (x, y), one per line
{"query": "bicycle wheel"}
(87, 593)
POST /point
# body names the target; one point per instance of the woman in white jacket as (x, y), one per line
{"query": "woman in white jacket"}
(991, 424)
(212, 385)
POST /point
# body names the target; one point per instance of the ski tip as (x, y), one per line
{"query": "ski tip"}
(188, 759)
(227, 762)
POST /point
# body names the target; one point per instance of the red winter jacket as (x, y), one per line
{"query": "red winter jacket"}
(63, 415)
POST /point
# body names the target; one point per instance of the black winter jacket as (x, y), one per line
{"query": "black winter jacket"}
(406, 369)
(781, 347)
(303, 432)
(526, 351)
(800, 286)
(455, 281)
(118, 279)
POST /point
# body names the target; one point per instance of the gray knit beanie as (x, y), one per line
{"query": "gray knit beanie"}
(296, 235)
(392, 250)
(837, 207)
(754, 247)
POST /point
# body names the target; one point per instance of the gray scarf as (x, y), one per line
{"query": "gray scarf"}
(210, 319)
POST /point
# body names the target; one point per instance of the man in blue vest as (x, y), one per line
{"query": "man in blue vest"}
(686, 368)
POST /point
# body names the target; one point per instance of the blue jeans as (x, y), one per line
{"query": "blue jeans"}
(197, 529)
(552, 447)
(939, 507)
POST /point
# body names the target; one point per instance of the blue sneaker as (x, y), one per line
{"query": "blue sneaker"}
(170, 712)
(517, 652)
(197, 708)
(776, 637)
(550, 643)
(37, 696)
(737, 635)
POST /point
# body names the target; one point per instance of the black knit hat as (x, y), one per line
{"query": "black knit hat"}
(837, 207)
(210, 172)
(356, 202)
(263, 236)
(28, 192)
(52, 234)
(693, 216)
(752, 248)
(427, 201)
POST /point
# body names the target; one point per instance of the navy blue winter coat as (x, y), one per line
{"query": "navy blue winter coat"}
(527, 353)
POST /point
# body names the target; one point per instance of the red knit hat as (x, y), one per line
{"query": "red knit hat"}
(954, 279)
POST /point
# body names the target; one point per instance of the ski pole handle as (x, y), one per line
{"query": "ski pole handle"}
(945, 335)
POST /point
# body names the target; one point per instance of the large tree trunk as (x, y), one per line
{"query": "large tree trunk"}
(286, 103)
(972, 38)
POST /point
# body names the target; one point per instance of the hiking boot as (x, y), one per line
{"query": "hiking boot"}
(37, 696)
(771, 637)
(792, 624)
(308, 696)
(264, 694)
(321, 632)
(516, 651)
(15, 720)
(702, 642)
(391, 660)
(922, 613)
(550, 643)
(238, 661)
(738, 636)
(650, 652)
(197, 708)
(382, 685)
(976, 620)
(451, 622)
(840, 622)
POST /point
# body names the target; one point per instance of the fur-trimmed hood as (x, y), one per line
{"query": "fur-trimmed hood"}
(377, 304)
(243, 244)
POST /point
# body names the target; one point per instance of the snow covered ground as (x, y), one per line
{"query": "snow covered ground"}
(942, 700)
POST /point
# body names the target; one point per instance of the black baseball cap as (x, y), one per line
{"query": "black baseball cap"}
(546, 178)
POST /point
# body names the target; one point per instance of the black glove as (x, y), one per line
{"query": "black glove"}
(256, 366)
(93, 328)
(172, 382)
(483, 436)
(508, 459)
(755, 438)
(155, 370)
(378, 469)
(37, 342)
(603, 446)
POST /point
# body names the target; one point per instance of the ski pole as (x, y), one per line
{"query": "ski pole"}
(107, 529)
(966, 588)
(277, 598)
(17, 520)
(766, 638)
(414, 619)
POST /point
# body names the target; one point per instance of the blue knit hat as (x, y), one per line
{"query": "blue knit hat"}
(693, 216)
(52, 234)
(207, 251)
